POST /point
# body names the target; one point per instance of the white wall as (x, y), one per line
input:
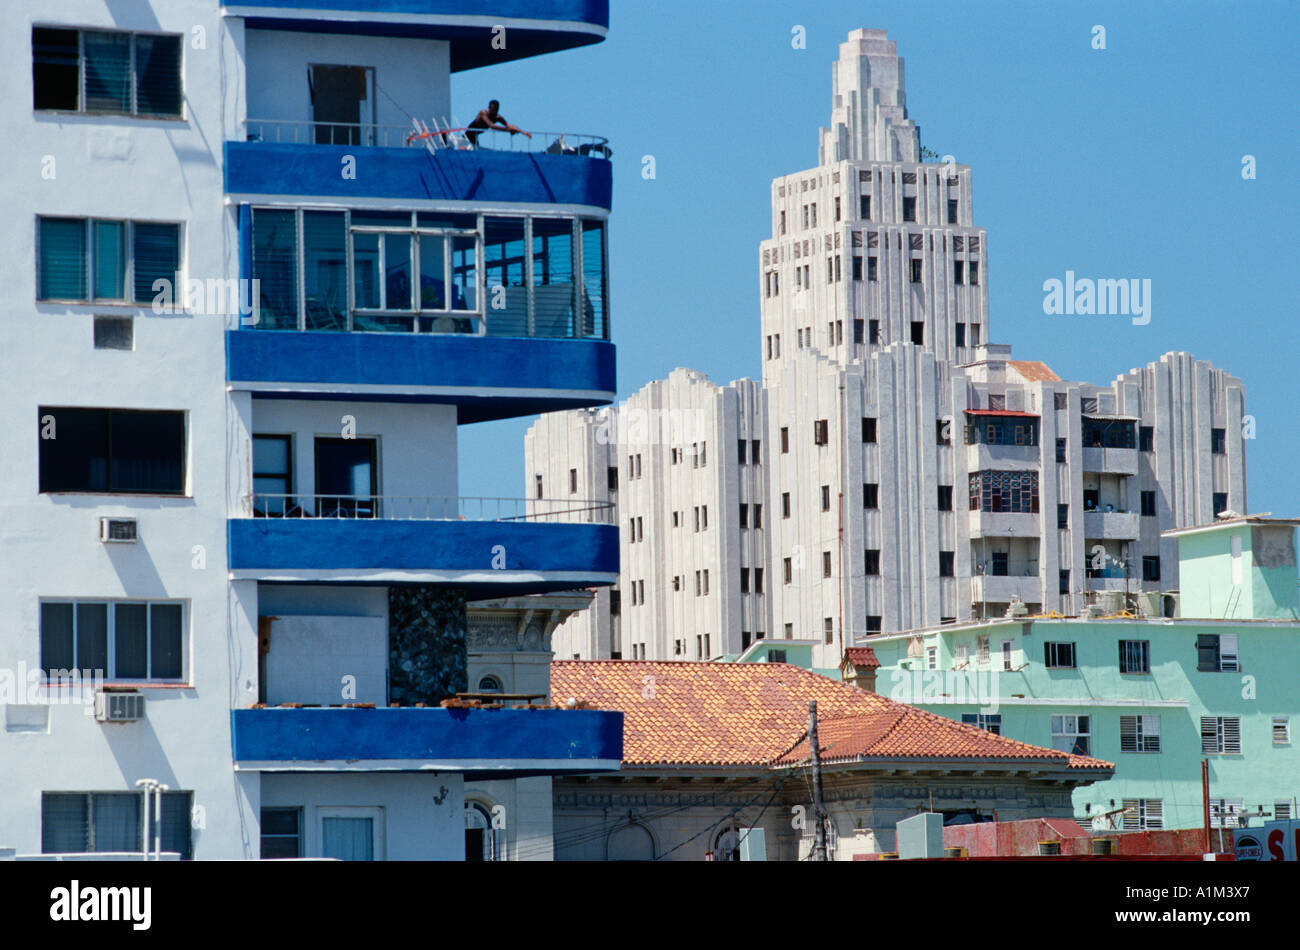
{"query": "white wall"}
(309, 657)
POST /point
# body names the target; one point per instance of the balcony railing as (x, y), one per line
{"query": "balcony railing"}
(429, 508)
(300, 132)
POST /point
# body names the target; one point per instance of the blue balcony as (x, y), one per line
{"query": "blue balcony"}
(485, 377)
(534, 27)
(481, 743)
(490, 547)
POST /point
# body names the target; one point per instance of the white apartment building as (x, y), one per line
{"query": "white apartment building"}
(916, 473)
(237, 558)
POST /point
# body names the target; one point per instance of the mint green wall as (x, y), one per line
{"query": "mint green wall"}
(1268, 588)
(1175, 690)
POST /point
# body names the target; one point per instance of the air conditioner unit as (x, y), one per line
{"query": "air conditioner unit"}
(118, 530)
(119, 707)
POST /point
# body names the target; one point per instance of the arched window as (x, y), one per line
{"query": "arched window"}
(480, 836)
(726, 846)
(490, 684)
(632, 842)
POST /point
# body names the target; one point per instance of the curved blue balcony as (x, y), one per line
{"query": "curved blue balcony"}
(533, 27)
(481, 743)
(533, 547)
(485, 377)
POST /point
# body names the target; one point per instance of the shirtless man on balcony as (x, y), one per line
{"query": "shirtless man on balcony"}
(490, 118)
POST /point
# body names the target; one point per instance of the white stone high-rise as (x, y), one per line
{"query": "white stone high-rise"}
(915, 473)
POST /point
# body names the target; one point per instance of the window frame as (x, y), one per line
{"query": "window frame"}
(110, 635)
(1126, 659)
(182, 492)
(132, 71)
(129, 298)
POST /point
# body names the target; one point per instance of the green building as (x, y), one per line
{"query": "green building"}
(1207, 672)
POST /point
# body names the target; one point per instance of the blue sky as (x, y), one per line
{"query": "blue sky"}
(1123, 162)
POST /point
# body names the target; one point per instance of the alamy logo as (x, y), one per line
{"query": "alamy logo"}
(133, 904)
(946, 687)
(1085, 296)
(216, 296)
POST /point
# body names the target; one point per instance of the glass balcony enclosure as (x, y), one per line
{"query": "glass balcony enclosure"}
(429, 272)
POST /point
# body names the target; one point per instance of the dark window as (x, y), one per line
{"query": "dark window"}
(974, 273)
(573, 481)
(745, 639)
(611, 479)
(1109, 433)
(1220, 502)
(56, 69)
(872, 269)
(1063, 586)
(111, 451)
(758, 516)
(952, 210)
(864, 206)
(946, 562)
(868, 429)
(826, 564)
(1217, 654)
(943, 432)
(65, 61)
(97, 822)
(1135, 656)
(1218, 441)
(960, 334)
(918, 332)
(1063, 516)
(1150, 568)
(999, 564)
(758, 586)
(785, 504)
(744, 515)
(755, 456)
(859, 331)
(915, 270)
(785, 440)
(1002, 430)
(1146, 439)
(945, 498)
(873, 623)
(789, 570)
(988, 722)
(1149, 504)
(615, 602)
(538, 485)
(114, 333)
(909, 209)
(872, 561)
(873, 331)
(821, 432)
(281, 833)
(857, 267)
(1059, 655)
(132, 640)
(1004, 491)
(870, 495)
(744, 580)
(1060, 450)
(740, 451)
(958, 272)
(826, 498)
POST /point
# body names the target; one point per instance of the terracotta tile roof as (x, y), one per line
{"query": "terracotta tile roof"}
(862, 656)
(1033, 370)
(757, 714)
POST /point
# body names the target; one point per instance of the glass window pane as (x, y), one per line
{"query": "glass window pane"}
(464, 273)
(275, 266)
(175, 822)
(553, 277)
(63, 259)
(92, 639)
(348, 839)
(433, 276)
(381, 219)
(73, 449)
(443, 219)
(595, 319)
(56, 77)
(110, 260)
(165, 641)
(270, 455)
(64, 823)
(148, 452)
(325, 259)
(131, 641)
(365, 270)
(56, 637)
(116, 819)
(156, 251)
(158, 75)
(503, 276)
(397, 272)
(108, 71)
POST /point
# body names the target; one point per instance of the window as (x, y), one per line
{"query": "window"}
(873, 623)
(909, 208)
(1220, 503)
(982, 649)
(1006, 655)
(758, 516)
(1281, 730)
(959, 334)
(1011, 491)
(704, 517)
(616, 600)
(744, 580)
(755, 456)
(538, 485)
(782, 224)
(857, 272)
(697, 517)
(873, 331)
(1139, 734)
(677, 519)
(1143, 814)
(873, 272)
(1063, 585)
(789, 570)
(958, 272)
(114, 333)
(946, 562)
(931, 658)
(112, 451)
(1151, 567)
(84, 259)
(272, 474)
(746, 638)
(785, 440)
(1218, 441)
(868, 429)
(758, 585)
(1217, 653)
(974, 334)
(1135, 656)
(1072, 734)
(837, 209)
(1146, 439)
(828, 630)
(741, 455)
(974, 273)
(785, 504)
(870, 495)
(943, 431)
(96, 822)
(706, 582)
(952, 210)
(864, 206)
(1221, 735)
(121, 73)
(826, 564)
(915, 270)
(1282, 809)
(744, 515)
(1049, 848)
(778, 656)
(821, 432)
(1149, 504)
(573, 481)
(119, 640)
(1059, 656)
(1108, 433)
(872, 565)
(677, 582)
(945, 498)
(281, 833)
(1060, 450)
(1063, 516)
(826, 498)
(918, 332)
(989, 723)
(1060, 400)
(611, 479)
(1001, 430)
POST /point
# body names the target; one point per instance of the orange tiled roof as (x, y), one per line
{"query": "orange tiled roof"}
(862, 656)
(1033, 370)
(757, 714)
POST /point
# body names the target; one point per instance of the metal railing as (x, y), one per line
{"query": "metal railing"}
(305, 132)
(429, 508)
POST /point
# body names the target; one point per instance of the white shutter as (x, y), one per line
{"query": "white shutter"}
(1128, 734)
(1132, 814)
(1281, 730)
(1231, 726)
(1154, 818)
(1228, 661)
(1150, 733)
(1282, 809)
(1210, 735)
